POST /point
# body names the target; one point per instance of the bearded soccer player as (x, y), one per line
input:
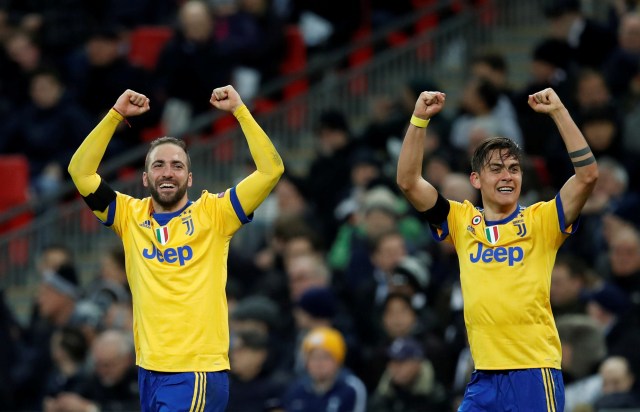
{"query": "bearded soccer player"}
(176, 254)
(506, 253)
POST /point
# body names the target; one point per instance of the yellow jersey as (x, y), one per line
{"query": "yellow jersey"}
(177, 270)
(505, 274)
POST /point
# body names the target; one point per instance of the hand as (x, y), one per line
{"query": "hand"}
(429, 104)
(225, 98)
(131, 103)
(545, 101)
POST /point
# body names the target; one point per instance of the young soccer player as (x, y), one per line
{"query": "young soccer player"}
(506, 253)
(176, 254)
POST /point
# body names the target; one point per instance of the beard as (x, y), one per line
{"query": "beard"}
(168, 201)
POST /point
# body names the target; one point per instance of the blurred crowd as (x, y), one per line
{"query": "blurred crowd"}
(337, 293)
(64, 63)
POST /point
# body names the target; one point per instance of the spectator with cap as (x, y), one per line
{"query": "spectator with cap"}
(254, 313)
(259, 314)
(327, 385)
(320, 307)
(254, 381)
(381, 211)
(409, 383)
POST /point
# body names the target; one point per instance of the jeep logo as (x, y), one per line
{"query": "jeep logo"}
(181, 254)
(512, 254)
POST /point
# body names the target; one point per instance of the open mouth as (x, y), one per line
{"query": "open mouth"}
(505, 190)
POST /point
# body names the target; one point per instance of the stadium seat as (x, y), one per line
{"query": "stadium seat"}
(15, 193)
(295, 61)
(146, 43)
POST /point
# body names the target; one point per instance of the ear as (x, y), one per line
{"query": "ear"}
(145, 181)
(190, 180)
(474, 178)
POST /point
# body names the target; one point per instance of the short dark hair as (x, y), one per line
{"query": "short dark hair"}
(167, 140)
(507, 147)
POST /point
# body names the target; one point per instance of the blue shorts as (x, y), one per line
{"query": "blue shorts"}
(183, 391)
(524, 390)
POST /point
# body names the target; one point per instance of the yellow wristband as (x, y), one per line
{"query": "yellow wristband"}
(418, 122)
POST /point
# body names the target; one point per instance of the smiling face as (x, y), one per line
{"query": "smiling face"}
(499, 181)
(498, 174)
(168, 177)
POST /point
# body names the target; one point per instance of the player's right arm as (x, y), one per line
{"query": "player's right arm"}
(84, 164)
(422, 195)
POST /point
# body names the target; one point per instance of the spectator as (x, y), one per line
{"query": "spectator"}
(583, 349)
(69, 348)
(480, 108)
(409, 383)
(255, 380)
(58, 307)
(24, 59)
(550, 67)
(110, 287)
(190, 65)
(47, 130)
(320, 307)
(569, 277)
(617, 385)
(622, 65)
(327, 383)
(610, 307)
(328, 174)
(591, 42)
(113, 385)
(99, 73)
(253, 36)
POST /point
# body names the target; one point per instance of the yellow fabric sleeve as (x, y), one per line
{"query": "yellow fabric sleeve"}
(253, 189)
(83, 166)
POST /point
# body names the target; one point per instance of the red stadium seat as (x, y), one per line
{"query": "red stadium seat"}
(14, 193)
(146, 43)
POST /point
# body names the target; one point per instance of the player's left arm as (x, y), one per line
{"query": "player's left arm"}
(577, 189)
(253, 189)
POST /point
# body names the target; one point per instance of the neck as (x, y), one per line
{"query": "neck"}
(157, 208)
(498, 213)
(323, 386)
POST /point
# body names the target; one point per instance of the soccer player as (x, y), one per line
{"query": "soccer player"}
(506, 253)
(176, 254)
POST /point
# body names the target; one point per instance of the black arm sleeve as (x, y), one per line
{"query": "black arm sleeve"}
(101, 198)
(438, 213)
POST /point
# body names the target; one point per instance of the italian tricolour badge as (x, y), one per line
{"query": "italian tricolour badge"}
(162, 234)
(492, 234)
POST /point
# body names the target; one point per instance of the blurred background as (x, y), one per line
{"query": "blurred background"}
(333, 83)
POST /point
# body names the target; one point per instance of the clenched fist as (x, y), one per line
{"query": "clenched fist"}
(132, 103)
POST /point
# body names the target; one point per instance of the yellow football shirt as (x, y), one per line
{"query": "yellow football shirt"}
(505, 274)
(177, 274)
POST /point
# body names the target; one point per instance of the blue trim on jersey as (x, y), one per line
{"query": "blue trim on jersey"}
(237, 207)
(111, 214)
(506, 219)
(164, 218)
(445, 231)
(563, 225)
